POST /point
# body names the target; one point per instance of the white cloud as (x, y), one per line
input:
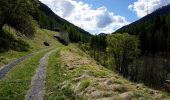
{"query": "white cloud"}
(83, 15)
(65, 7)
(142, 7)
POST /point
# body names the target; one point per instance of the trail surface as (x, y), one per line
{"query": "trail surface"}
(6, 68)
(37, 88)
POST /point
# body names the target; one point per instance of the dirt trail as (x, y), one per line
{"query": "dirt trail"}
(37, 88)
(6, 68)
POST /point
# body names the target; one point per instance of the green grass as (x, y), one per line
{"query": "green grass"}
(84, 84)
(95, 72)
(42, 36)
(9, 56)
(55, 76)
(36, 44)
(16, 84)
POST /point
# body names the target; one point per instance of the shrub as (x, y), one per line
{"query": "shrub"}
(9, 42)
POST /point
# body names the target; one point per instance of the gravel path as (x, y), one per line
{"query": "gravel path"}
(6, 68)
(37, 88)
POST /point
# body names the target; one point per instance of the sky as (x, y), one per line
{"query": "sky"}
(103, 16)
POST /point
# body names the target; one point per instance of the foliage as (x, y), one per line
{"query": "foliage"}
(98, 48)
(15, 13)
(116, 51)
(152, 68)
(124, 49)
(152, 31)
(9, 42)
(75, 35)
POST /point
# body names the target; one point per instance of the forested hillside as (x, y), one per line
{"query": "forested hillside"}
(153, 31)
(34, 63)
(20, 13)
(139, 51)
(55, 22)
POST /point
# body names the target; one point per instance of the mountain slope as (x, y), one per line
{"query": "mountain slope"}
(153, 30)
(71, 73)
(40, 16)
(35, 44)
(56, 21)
(92, 81)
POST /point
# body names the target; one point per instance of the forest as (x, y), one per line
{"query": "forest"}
(139, 51)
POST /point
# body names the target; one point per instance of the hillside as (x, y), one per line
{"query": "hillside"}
(37, 15)
(35, 44)
(70, 74)
(153, 30)
(34, 65)
(55, 22)
(58, 21)
(92, 81)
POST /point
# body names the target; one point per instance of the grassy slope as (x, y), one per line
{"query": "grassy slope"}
(15, 85)
(70, 74)
(35, 43)
(90, 80)
(55, 76)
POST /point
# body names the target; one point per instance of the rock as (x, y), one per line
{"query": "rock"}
(126, 96)
(110, 81)
(46, 44)
(96, 94)
(71, 68)
(138, 86)
(101, 95)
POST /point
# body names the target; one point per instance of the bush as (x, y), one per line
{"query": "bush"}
(9, 42)
(15, 13)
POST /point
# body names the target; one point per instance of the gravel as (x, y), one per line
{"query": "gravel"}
(37, 88)
(6, 68)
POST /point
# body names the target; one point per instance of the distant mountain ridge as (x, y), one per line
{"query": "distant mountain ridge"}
(159, 12)
(153, 30)
(58, 21)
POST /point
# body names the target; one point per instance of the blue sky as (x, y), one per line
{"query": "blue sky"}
(103, 16)
(119, 7)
